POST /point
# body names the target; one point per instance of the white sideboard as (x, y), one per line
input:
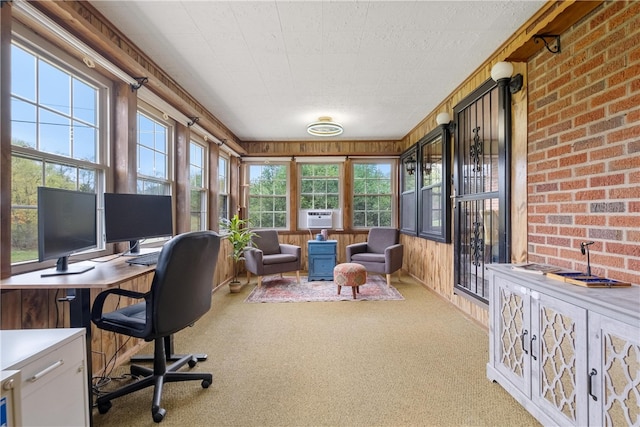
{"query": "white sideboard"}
(569, 354)
(52, 365)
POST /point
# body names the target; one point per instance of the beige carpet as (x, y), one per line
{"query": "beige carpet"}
(417, 362)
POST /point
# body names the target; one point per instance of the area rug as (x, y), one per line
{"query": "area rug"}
(287, 289)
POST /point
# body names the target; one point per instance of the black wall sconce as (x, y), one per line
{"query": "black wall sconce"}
(410, 165)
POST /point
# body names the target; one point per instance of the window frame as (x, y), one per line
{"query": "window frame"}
(337, 211)
(203, 190)
(393, 184)
(167, 182)
(287, 195)
(224, 161)
(42, 50)
(443, 134)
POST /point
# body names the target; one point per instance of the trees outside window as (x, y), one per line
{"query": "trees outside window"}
(57, 134)
(373, 199)
(268, 196)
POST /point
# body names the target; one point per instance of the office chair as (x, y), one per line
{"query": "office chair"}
(180, 294)
(381, 253)
(269, 256)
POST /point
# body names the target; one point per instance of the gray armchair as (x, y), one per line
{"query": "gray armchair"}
(381, 253)
(269, 256)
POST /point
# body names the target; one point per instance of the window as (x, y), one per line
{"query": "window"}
(408, 215)
(58, 134)
(268, 196)
(320, 186)
(153, 155)
(435, 185)
(373, 199)
(223, 188)
(198, 185)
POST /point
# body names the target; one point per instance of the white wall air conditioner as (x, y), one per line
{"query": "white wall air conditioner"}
(319, 219)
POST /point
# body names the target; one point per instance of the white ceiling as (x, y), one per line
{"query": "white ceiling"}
(268, 68)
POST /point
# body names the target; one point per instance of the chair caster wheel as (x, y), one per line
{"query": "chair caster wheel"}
(104, 407)
(205, 384)
(159, 415)
(192, 362)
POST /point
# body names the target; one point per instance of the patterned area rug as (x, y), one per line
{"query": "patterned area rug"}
(286, 289)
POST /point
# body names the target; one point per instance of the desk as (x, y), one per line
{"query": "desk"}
(104, 275)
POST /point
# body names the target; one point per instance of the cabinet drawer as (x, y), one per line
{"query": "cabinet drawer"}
(322, 248)
(41, 371)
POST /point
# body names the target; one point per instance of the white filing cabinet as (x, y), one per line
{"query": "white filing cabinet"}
(52, 365)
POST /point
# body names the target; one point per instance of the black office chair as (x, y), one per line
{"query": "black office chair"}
(180, 294)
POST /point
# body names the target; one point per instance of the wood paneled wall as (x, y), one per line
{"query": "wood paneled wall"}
(322, 148)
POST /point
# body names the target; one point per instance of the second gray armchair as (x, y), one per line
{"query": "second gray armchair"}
(269, 256)
(381, 253)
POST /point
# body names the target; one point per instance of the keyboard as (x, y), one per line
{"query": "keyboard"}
(145, 259)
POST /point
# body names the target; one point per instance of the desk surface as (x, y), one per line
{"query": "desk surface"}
(104, 275)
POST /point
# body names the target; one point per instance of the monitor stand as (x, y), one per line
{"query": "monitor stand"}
(63, 268)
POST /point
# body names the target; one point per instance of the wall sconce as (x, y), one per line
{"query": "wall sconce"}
(410, 165)
(443, 119)
(501, 73)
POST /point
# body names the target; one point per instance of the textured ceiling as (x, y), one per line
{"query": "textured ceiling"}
(268, 68)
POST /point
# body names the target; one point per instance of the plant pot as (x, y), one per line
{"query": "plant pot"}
(235, 287)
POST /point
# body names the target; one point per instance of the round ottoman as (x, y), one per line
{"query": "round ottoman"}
(350, 274)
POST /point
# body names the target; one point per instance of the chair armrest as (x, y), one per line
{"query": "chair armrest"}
(98, 303)
(253, 260)
(393, 257)
(355, 248)
(291, 250)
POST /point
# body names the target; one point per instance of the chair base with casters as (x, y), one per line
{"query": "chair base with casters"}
(156, 377)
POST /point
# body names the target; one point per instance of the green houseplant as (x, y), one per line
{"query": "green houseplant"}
(237, 231)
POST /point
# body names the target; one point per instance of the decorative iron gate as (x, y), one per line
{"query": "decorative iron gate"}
(481, 214)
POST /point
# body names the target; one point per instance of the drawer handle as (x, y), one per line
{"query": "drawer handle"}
(592, 374)
(522, 339)
(45, 371)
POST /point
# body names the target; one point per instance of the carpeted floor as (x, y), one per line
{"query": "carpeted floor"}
(287, 289)
(415, 362)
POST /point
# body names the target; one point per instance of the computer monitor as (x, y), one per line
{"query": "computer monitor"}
(66, 224)
(132, 217)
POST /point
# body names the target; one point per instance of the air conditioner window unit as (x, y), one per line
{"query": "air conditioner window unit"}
(319, 219)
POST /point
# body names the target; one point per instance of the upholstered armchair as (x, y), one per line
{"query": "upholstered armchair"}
(269, 256)
(381, 253)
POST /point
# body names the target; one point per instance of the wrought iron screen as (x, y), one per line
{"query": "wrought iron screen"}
(479, 175)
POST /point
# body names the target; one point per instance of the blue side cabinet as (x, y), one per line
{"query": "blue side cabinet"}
(322, 258)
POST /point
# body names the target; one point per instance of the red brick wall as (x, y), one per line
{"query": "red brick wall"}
(584, 146)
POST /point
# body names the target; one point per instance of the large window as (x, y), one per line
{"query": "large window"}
(198, 185)
(57, 134)
(373, 199)
(268, 196)
(320, 186)
(154, 160)
(223, 188)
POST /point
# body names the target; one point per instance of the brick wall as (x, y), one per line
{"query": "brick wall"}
(584, 146)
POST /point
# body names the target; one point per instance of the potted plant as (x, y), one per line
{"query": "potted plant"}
(237, 231)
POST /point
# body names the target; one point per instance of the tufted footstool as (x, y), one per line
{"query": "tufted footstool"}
(350, 274)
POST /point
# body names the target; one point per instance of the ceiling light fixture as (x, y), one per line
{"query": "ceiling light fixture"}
(324, 127)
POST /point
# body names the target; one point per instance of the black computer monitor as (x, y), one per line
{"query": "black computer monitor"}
(132, 217)
(66, 224)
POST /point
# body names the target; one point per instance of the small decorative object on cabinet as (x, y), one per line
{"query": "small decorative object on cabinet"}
(568, 354)
(322, 258)
(53, 370)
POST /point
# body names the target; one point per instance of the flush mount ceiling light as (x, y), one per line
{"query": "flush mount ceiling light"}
(324, 127)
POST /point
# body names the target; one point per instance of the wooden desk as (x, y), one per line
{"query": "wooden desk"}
(105, 275)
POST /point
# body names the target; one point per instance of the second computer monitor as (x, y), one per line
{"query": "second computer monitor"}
(133, 217)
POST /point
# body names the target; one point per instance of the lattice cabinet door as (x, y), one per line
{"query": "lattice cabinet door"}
(614, 372)
(511, 333)
(559, 359)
